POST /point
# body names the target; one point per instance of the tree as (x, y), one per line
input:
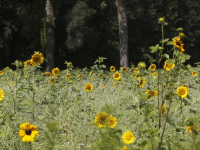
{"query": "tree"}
(50, 37)
(123, 33)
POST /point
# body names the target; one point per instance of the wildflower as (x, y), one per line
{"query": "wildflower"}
(112, 121)
(178, 43)
(101, 75)
(114, 84)
(27, 132)
(152, 67)
(182, 91)
(154, 74)
(142, 82)
(164, 107)
(189, 129)
(181, 35)
(161, 20)
(152, 93)
(142, 65)
(194, 73)
(28, 62)
(48, 74)
(69, 64)
(56, 71)
(102, 86)
(80, 76)
(26, 77)
(125, 148)
(121, 91)
(112, 68)
(2, 95)
(100, 120)
(88, 87)
(128, 137)
(13, 83)
(117, 76)
(37, 59)
(1, 72)
(168, 67)
(124, 69)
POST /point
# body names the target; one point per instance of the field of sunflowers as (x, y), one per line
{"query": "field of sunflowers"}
(141, 107)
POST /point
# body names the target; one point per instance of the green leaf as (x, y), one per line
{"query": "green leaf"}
(166, 56)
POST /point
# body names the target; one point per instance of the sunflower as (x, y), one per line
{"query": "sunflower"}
(152, 93)
(136, 70)
(168, 67)
(178, 43)
(154, 74)
(128, 137)
(27, 132)
(112, 68)
(182, 91)
(125, 148)
(124, 69)
(112, 121)
(52, 80)
(102, 86)
(70, 65)
(181, 35)
(56, 71)
(101, 75)
(142, 82)
(91, 73)
(69, 76)
(28, 62)
(80, 76)
(88, 87)
(2, 95)
(48, 74)
(189, 129)
(13, 83)
(100, 120)
(164, 107)
(37, 59)
(141, 65)
(117, 76)
(7, 68)
(194, 73)
(137, 75)
(152, 67)
(1, 72)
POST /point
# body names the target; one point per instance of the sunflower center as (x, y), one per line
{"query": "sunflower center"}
(28, 132)
(128, 138)
(36, 59)
(88, 87)
(116, 75)
(182, 92)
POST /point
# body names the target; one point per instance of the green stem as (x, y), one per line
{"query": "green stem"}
(15, 97)
(33, 95)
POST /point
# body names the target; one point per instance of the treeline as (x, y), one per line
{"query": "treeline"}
(86, 29)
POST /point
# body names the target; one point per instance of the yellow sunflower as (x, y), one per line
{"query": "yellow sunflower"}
(102, 86)
(2, 95)
(100, 120)
(56, 71)
(112, 121)
(28, 62)
(194, 74)
(70, 65)
(1, 72)
(101, 75)
(152, 93)
(48, 73)
(142, 82)
(154, 74)
(136, 70)
(152, 67)
(91, 73)
(112, 68)
(52, 80)
(124, 69)
(178, 43)
(117, 76)
(189, 129)
(182, 91)
(125, 148)
(168, 67)
(88, 87)
(69, 76)
(37, 59)
(164, 107)
(137, 75)
(128, 137)
(141, 65)
(80, 76)
(181, 35)
(28, 132)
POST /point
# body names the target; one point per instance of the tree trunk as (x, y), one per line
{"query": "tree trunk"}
(50, 37)
(123, 33)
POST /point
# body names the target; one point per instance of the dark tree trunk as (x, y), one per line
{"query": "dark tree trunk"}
(123, 33)
(50, 37)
